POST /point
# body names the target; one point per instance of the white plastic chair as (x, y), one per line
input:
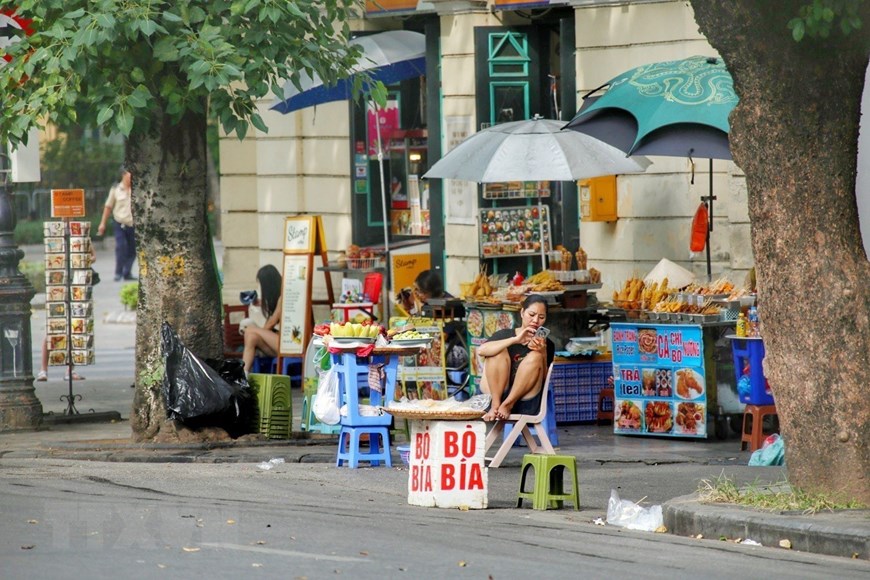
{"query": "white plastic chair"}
(522, 424)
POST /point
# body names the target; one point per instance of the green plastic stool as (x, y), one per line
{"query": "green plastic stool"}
(549, 474)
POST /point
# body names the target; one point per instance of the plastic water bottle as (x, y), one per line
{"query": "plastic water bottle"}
(753, 321)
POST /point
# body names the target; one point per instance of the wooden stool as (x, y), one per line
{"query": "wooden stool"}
(605, 393)
(755, 413)
(549, 475)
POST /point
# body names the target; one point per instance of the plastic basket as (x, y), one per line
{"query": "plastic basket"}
(405, 453)
(365, 263)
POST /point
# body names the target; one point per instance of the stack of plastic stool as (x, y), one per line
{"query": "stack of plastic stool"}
(549, 474)
(756, 414)
(274, 405)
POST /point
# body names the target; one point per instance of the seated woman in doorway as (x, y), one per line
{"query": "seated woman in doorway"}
(265, 338)
(516, 363)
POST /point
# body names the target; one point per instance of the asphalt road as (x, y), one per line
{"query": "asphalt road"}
(70, 519)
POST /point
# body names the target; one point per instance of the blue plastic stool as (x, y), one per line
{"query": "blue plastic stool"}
(350, 451)
(353, 374)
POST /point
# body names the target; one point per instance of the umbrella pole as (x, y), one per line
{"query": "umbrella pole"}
(710, 199)
(541, 235)
(388, 277)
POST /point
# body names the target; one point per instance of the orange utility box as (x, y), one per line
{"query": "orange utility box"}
(598, 199)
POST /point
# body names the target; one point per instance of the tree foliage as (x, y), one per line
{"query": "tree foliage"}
(124, 59)
(819, 18)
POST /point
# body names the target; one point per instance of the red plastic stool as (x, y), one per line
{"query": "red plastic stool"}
(755, 413)
(604, 415)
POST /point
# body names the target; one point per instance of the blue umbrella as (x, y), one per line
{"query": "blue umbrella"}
(389, 57)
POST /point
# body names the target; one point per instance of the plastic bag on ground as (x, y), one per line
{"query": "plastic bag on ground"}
(326, 403)
(627, 514)
(197, 394)
(771, 453)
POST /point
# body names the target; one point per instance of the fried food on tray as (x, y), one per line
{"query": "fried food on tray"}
(658, 417)
(686, 383)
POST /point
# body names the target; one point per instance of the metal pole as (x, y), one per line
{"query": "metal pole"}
(710, 199)
(19, 407)
(388, 276)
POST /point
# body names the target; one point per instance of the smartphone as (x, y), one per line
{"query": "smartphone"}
(542, 332)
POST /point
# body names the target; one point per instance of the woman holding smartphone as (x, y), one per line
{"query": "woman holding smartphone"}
(516, 362)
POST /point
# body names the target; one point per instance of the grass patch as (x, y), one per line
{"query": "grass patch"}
(775, 497)
(35, 274)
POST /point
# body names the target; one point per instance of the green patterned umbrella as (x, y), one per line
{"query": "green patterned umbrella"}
(676, 108)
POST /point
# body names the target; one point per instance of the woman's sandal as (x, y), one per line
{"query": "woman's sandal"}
(42, 376)
(75, 377)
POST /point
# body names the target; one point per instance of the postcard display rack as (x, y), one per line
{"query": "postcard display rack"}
(69, 306)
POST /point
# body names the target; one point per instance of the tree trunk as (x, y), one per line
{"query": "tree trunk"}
(177, 278)
(795, 135)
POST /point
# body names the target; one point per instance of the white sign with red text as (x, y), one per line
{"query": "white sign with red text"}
(447, 466)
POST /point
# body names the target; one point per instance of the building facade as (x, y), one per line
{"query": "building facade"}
(486, 63)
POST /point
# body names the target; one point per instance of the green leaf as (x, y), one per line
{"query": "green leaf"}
(257, 122)
(139, 97)
(797, 31)
(165, 49)
(104, 116)
(106, 20)
(171, 16)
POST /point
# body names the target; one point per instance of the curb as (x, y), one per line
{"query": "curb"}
(818, 534)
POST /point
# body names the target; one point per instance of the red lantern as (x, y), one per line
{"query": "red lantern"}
(700, 223)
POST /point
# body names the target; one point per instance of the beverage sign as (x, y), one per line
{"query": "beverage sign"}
(67, 203)
(660, 384)
(446, 464)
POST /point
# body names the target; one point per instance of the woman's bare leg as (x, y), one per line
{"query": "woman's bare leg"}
(496, 373)
(258, 338)
(527, 383)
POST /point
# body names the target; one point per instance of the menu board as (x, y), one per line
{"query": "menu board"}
(481, 324)
(514, 231)
(296, 292)
(660, 386)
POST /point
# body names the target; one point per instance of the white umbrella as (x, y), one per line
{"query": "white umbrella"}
(533, 150)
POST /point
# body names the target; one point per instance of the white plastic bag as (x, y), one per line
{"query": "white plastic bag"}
(627, 514)
(326, 402)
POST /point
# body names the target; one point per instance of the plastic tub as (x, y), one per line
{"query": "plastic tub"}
(404, 453)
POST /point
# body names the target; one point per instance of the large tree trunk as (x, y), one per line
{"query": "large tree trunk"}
(177, 278)
(795, 134)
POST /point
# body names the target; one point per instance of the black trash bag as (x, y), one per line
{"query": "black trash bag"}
(241, 418)
(198, 395)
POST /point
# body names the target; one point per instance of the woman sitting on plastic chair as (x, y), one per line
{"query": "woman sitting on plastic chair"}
(264, 339)
(516, 363)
